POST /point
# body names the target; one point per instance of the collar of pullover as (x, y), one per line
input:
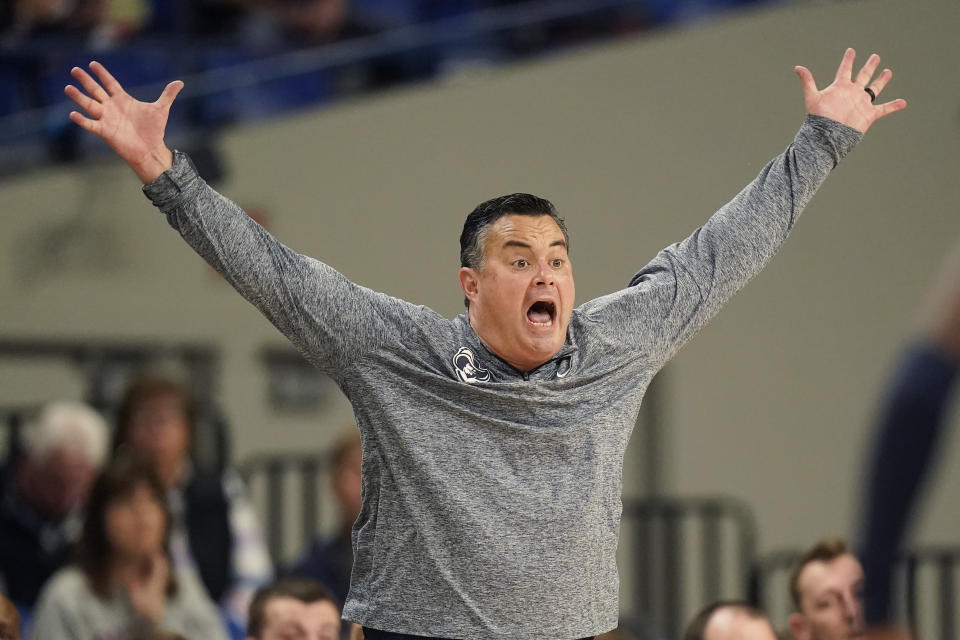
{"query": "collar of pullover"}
(558, 366)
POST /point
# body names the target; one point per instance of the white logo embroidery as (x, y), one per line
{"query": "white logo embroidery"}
(466, 365)
(563, 367)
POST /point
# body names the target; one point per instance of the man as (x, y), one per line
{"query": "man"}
(293, 609)
(493, 443)
(730, 620)
(42, 491)
(826, 587)
(330, 561)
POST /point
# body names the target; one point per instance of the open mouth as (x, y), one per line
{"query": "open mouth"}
(541, 313)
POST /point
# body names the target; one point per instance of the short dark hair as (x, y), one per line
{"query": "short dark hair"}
(698, 626)
(119, 479)
(302, 589)
(144, 389)
(823, 551)
(474, 235)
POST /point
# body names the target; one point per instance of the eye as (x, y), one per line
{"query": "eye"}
(556, 263)
(521, 263)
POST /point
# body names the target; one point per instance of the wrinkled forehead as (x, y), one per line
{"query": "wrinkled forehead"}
(534, 230)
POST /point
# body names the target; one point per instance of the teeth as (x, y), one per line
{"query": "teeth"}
(548, 323)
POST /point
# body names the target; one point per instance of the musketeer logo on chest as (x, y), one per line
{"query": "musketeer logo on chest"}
(466, 365)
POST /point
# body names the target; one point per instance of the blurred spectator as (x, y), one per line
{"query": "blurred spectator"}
(214, 527)
(330, 561)
(9, 620)
(155, 633)
(310, 21)
(826, 586)
(42, 490)
(294, 609)
(122, 581)
(102, 22)
(908, 429)
(730, 620)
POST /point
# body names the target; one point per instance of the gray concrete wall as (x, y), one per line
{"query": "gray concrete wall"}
(637, 143)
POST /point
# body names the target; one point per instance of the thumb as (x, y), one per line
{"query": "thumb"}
(806, 80)
(169, 94)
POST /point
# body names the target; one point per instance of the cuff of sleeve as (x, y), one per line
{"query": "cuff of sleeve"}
(166, 190)
(838, 137)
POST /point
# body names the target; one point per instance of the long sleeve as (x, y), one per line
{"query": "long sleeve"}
(688, 282)
(327, 316)
(908, 428)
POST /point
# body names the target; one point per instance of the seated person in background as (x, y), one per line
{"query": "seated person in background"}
(826, 586)
(42, 490)
(123, 581)
(294, 609)
(214, 529)
(730, 620)
(330, 561)
(9, 620)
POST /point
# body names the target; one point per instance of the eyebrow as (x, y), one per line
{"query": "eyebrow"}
(518, 243)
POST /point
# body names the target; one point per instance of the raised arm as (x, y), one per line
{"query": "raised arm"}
(133, 129)
(688, 282)
(330, 318)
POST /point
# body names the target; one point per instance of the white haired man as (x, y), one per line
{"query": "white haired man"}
(42, 489)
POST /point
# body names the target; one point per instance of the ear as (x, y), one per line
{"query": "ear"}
(469, 282)
(798, 626)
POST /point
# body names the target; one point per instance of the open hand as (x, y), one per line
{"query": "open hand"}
(147, 588)
(133, 129)
(846, 99)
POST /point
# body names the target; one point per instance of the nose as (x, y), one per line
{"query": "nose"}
(544, 274)
(852, 610)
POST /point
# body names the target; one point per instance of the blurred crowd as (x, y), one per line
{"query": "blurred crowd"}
(155, 41)
(101, 535)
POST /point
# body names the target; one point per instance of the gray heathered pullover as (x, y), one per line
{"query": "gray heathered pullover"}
(491, 497)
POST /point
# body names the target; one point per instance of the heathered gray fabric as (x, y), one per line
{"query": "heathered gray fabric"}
(491, 505)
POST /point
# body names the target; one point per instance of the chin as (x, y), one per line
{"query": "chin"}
(543, 350)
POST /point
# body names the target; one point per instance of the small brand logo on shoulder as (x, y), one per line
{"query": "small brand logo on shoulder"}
(466, 365)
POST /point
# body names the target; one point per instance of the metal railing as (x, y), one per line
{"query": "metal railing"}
(271, 477)
(684, 553)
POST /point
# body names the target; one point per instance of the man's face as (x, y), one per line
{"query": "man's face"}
(159, 432)
(735, 624)
(60, 482)
(831, 600)
(522, 297)
(287, 618)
